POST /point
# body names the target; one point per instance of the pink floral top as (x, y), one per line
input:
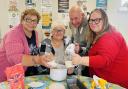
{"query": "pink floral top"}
(12, 48)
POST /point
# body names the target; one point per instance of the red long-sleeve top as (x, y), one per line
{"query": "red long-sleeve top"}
(108, 58)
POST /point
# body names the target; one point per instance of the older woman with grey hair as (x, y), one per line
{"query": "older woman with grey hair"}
(59, 42)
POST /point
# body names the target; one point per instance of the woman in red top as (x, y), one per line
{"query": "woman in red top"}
(108, 54)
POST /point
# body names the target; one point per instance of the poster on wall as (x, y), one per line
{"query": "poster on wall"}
(30, 3)
(46, 16)
(63, 6)
(82, 4)
(124, 5)
(13, 13)
(13, 18)
(101, 4)
(46, 20)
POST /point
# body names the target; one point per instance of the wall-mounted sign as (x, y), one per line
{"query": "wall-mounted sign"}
(13, 13)
(46, 16)
(101, 4)
(124, 5)
(63, 6)
(82, 4)
(46, 20)
(30, 3)
(13, 18)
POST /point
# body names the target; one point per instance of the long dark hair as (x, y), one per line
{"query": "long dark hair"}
(93, 37)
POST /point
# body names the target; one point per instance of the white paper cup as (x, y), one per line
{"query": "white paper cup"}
(68, 64)
(58, 74)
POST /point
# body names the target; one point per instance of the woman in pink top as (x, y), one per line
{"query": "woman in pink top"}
(20, 43)
(108, 55)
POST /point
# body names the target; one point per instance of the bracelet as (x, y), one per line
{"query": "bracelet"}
(33, 60)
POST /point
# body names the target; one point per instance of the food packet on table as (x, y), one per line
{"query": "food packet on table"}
(99, 83)
(15, 76)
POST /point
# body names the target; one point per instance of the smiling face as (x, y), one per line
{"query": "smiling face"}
(96, 21)
(30, 22)
(76, 16)
(76, 19)
(58, 32)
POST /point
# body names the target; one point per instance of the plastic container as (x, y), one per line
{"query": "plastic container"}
(36, 85)
(58, 74)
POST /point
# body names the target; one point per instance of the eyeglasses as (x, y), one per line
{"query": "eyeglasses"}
(96, 21)
(28, 20)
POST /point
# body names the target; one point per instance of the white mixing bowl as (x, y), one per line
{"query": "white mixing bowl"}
(58, 74)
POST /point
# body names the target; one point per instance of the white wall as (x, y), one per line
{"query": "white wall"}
(4, 14)
(3, 17)
(116, 17)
